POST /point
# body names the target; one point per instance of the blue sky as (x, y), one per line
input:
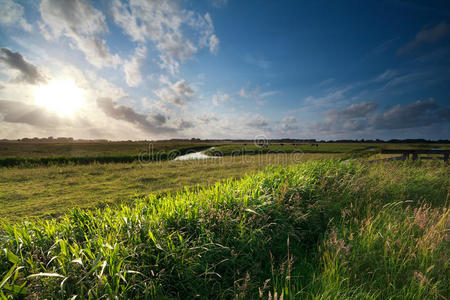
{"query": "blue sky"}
(225, 69)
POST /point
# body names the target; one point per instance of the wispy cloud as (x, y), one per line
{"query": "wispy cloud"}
(258, 61)
(426, 36)
(12, 14)
(82, 24)
(254, 92)
(162, 22)
(218, 3)
(221, 98)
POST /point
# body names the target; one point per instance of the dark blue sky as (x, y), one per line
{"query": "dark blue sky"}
(229, 69)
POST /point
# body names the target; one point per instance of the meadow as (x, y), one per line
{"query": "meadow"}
(48, 191)
(32, 154)
(348, 148)
(284, 221)
(90, 149)
(318, 229)
(38, 154)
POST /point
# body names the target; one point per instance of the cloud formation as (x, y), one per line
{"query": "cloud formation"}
(288, 124)
(176, 93)
(132, 67)
(207, 118)
(363, 116)
(82, 24)
(220, 98)
(356, 110)
(12, 14)
(219, 3)
(246, 92)
(163, 23)
(183, 124)
(351, 118)
(29, 73)
(416, 114)
(151, 124)
(257, 122)
(258, 61)
(427, 36)
(19, 112)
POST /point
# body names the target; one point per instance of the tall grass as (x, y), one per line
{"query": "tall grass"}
(320, 229)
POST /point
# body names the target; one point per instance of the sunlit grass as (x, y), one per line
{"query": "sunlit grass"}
(318, 230)
(50, 191)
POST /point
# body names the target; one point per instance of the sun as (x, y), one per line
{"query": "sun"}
(61, 96)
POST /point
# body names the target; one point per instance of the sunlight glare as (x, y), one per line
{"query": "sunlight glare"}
(61, 96)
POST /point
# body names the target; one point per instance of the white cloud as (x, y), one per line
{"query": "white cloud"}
(219, 3)
(254, 93)
(163, 23)
(257, 122)
(207, 118)
(258, 61)
(12, 13)
(246, 92)
(220, 98)
(214, 44)
(330, 97)
(177, 93)
(288, 124)
(82, 24)
(387, 75)
(132, 67)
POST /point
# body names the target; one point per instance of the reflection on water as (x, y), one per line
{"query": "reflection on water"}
(196, 155)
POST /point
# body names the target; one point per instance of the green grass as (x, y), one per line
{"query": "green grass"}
(316, 230)
(349, 148)
(82, 154)
(48, 191)
(82, 149)
(28, 154)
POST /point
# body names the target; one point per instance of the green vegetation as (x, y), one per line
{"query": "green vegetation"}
(90, 149)
(349, 148)
(321, 229)
(33, 154)
(48, 191)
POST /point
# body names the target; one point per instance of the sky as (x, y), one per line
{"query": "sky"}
(221, 69)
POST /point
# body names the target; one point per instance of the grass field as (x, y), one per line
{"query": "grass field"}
(36, 154)
(51, 190)
(31, 154)
(321, 229)
(80, 149)
(285, 221)
(251, 148)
